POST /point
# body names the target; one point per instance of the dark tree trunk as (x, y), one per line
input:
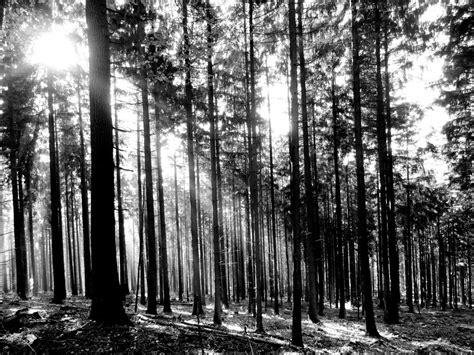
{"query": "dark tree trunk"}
(141, 256)
(178, 237)
(197, 305)
(106, 299)
(215, 207)
(85, 201)
(362, 212)
(56, 232)
(276, 305)
(339, 251)
(408, 249)
(442, 267)
(392, 236)
(150, 213)
(296, 335)
(319, 236)
(434, 301)
(69, 226)
(30, 230)
(161, 204)
(391, 307)
(121, 235)
(222, 236)
(311, 234)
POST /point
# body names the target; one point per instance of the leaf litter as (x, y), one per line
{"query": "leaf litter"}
(38, 326)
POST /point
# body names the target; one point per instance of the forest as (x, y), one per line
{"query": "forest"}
(251, 176)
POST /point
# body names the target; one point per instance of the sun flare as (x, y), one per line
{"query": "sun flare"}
(55, 50)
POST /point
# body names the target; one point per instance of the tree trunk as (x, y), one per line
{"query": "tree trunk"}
(121, 229)
(296, 335)
(141, 256)
(215, 213)
(178, 237)
(106, 299)
(339, 252)
(391, 306)
(84, 200)
(319, 236)
(161, 204)
(311, 234)
(408, 255)
(197, 305)
(272, 202)
(56, 232)
(362, 212)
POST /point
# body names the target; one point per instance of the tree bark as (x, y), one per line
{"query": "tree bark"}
(161, 204)
(106, 299)
(84, 200)
(56, 230)
(361, 207)
(296, 335)
(121, 237)
(197, 305)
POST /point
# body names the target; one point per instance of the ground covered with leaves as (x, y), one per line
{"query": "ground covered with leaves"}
(37, 326)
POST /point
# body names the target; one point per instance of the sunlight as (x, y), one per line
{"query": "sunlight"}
(55, 50)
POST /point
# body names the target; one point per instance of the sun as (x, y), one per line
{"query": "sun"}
(55, 50)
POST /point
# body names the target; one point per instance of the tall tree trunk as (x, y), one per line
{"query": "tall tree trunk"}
(319, 235)
(296, 335)
(361, 207)
(141, 256)
(311, 234)
(442, 266)
(215, 213)
(197, 305)
(121, 237)
(31, 231)
(339, 252)
(392, 229)
(391, 307)
(408, 255)
(84, 200)
(150, 213)
(178, 236)
(161, 204)
(72, 276)
(222, 236)
(106, 299)
(248, 140)
(56, 232)
(272, 201)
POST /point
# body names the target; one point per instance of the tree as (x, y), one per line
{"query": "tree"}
(197, 305)
(370, 325)
(296, 335)
(106, 304)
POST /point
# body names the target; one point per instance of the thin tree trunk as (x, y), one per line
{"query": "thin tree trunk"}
(141, 257)
(311, 234)
(362, 212)
(272, 201)
(84, 200)
(121, 237)
(218, 286)
(390, 310)
(161, 204)
(197, 305)
(408, 255)
(339, 252)
(56, 232)
(296, 335)
(178, 236)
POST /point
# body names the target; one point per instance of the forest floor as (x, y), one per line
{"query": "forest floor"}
(37, 326)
